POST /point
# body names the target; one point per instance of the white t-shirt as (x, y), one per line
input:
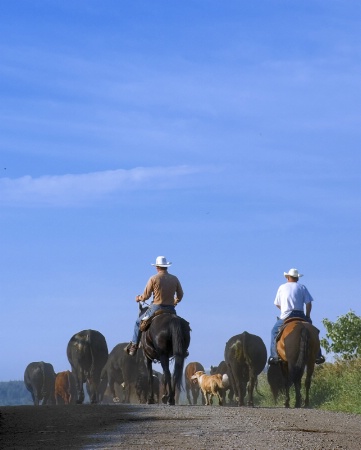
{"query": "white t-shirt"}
(291, 296)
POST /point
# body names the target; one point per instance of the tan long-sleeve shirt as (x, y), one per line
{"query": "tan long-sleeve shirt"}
(164, 287)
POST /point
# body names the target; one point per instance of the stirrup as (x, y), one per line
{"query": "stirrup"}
(131, 348)
(274, 360)
(320, 359)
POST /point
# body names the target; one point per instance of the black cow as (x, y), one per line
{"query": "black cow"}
(142, 386)
(87, 353)
(112, 372)
(39, 379)
(246, 356)
(123, 370)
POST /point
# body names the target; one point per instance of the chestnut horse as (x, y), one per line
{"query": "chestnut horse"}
(298, 348)
(168, 337)
(192, 386)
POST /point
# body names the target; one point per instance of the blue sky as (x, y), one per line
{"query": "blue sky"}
(223, 135)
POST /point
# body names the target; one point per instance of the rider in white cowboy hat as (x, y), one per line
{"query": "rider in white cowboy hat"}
(167, 292)
(290, 299)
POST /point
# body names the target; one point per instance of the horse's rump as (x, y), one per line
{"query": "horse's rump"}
(298, 336)
(167, 333)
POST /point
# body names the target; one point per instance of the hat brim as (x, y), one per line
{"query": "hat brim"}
(162, 265)
(285, 274)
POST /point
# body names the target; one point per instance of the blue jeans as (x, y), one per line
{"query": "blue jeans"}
(277, 327)
(149, 313)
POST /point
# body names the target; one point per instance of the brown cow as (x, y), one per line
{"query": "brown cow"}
(192, 385)
(65, 388)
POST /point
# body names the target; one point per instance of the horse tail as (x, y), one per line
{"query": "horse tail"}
(180, 342)
(303, 353)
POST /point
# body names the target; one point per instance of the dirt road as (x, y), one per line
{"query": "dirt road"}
(175, 427)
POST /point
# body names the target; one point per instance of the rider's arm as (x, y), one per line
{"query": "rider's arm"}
(179, 292)
(147, 292)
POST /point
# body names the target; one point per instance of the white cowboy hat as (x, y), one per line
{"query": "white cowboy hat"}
(292, 273)
(161, 261)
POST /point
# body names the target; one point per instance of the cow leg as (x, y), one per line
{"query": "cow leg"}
(188, 391)
(219, 398)
(251, 384)
(230, 395)
(79, 386)
(34, 395)
(195, 393)
(236, 387)
(241, 388)
(112, 390)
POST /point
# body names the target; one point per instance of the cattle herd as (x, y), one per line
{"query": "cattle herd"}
(118, 377)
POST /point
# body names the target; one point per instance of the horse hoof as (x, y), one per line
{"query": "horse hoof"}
(150, 401)
(116, 400)
(165, 399)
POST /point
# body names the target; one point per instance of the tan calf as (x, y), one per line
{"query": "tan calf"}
(211, 385)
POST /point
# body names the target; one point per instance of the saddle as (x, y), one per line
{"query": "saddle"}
(286, 322)
(145, 324)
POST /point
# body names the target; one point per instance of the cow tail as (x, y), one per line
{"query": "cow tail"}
(180, 350)
(70, 387)
(43, 385)
(225, 381)
(303, 353)
(92, 367)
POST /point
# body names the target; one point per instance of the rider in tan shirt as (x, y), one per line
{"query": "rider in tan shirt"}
(167, 292)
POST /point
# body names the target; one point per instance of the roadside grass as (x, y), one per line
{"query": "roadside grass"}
(334, 387)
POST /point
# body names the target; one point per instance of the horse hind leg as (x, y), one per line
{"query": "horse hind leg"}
(150, 400)
(298, 394)
(168, 396)
(308, 386)
(287, 396)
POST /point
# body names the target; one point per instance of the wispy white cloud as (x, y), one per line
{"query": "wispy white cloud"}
(75, 189)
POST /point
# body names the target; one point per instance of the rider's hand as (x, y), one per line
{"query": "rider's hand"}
(137, 298)
(176, 301)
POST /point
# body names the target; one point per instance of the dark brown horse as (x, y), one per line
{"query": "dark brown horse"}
(168, 337)
(298, 348)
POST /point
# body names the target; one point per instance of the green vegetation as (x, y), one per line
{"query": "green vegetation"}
(334, 387)
(343, 337)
